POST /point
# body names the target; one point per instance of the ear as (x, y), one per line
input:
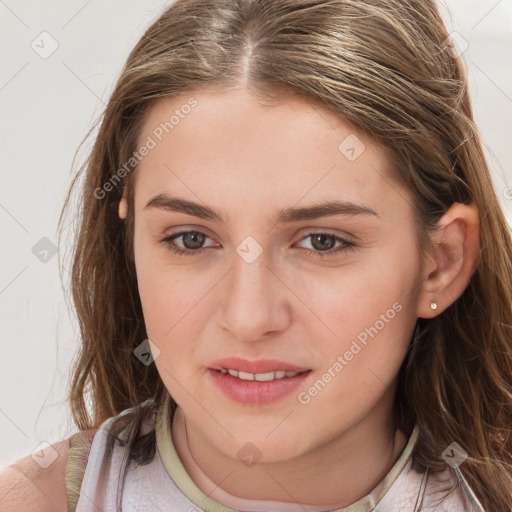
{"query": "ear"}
(123, 206)
(453, 261)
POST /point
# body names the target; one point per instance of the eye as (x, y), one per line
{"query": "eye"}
(193, 239)
(324, 243)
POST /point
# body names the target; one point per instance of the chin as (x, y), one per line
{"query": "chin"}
(253, 449)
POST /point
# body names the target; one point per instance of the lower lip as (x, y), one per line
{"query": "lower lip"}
(256, 392)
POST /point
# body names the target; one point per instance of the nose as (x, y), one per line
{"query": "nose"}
(255, 301)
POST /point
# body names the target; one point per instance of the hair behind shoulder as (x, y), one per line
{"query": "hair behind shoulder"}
(382, 66)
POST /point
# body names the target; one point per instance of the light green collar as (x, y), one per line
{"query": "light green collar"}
(179, 475)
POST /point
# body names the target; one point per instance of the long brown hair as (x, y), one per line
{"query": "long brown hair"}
(386, 68)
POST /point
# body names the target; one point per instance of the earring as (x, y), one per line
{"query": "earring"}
(433, 306)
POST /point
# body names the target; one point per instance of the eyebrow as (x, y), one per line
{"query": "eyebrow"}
(286, 215)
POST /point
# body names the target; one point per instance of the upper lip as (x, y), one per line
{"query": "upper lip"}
(259, 366)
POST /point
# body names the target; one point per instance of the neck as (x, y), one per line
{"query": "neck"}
(333, 475)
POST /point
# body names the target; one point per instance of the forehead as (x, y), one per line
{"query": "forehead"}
(230, 145)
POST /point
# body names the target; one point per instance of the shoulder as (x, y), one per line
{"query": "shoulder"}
(37, 481)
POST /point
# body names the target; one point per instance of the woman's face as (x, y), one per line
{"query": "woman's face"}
(274, 282)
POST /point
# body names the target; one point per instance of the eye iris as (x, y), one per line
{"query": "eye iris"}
(322, 237)
(193, 236)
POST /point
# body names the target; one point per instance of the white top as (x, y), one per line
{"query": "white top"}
(164, 485)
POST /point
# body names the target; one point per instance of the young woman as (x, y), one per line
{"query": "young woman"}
(292, 275)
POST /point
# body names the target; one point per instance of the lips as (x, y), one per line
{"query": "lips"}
(256, 382)
(260, 377)
(259, 366)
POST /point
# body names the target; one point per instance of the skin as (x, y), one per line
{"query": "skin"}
(250, 160)
(27, 486)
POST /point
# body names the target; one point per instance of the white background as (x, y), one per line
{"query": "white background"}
(46, 108)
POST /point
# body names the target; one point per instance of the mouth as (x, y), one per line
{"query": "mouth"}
(255, 367)
(260, 377)
(256, 382)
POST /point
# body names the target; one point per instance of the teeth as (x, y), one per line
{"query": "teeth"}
(261, 377)
(264, 377)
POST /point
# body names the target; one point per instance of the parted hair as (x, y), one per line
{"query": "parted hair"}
(384, 66)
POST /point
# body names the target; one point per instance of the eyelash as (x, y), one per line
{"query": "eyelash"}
(345, 247)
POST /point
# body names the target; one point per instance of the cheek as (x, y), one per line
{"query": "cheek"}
(156, 289)
(166, 298)
(367, 317)
(167, 304)
(355, 297)
(173, 296)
